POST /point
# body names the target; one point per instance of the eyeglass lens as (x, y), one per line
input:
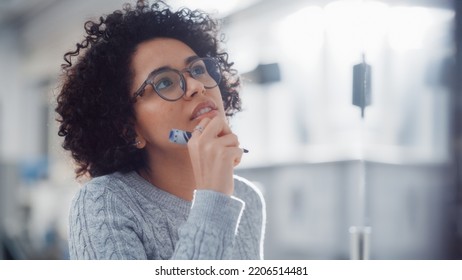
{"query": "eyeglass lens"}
(170, 84)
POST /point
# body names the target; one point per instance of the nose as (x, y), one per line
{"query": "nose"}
(193, 86)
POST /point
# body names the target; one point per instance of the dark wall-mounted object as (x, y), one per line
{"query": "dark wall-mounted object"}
(362, 85)
(264, 74)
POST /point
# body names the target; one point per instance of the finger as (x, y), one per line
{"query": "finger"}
(229, 140)
(217, 127)
(238, 152)
(200, 127)
(233, 154)
(226, 129)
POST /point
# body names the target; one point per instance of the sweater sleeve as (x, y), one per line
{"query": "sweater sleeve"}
(101, 226)
(210, 230)
(253, 221)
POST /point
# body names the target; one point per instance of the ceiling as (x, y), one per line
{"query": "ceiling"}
(17, 11)
(14, 11)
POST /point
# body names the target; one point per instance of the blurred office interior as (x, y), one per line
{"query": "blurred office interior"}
(377, 177)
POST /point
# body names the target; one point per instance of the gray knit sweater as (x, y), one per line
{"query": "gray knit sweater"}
(121, 216)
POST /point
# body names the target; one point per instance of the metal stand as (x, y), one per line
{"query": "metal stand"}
(360, 234)
(360, 238)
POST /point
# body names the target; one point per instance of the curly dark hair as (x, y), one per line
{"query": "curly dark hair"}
(95, 110)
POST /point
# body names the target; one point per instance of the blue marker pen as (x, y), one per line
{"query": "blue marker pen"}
(182, 137)
(179, 136)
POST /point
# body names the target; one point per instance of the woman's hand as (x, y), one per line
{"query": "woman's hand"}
(214, 152)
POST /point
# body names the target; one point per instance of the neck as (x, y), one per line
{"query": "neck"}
(171, 172)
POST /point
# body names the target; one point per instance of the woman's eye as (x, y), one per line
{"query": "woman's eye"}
(198, 70)
(163, 84)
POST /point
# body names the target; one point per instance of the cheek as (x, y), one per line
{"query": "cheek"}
(154, 111)
(155, 120)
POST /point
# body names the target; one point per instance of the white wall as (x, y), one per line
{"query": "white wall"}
(10, 98)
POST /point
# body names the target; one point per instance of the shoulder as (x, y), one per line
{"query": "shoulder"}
(102, 200)
(111, 183)
(101, 190)
(248, 192)
(104, 222)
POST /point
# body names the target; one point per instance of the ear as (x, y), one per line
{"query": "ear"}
(133, 136)
(140, 141)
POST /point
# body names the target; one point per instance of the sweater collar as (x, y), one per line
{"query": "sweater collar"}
(155, 194)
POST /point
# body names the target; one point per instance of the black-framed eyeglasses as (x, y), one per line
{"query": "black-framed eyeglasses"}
(170, 84)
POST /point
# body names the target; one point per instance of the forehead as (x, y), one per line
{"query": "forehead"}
(161, 52)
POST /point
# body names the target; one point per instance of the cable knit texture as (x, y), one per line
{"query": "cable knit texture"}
(121, 216)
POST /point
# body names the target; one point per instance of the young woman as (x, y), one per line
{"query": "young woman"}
(139, 73)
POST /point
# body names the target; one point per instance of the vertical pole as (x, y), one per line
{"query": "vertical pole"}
(360, 233)
(456, 117)
(2, 211)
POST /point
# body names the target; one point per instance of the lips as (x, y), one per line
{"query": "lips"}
(202, 109)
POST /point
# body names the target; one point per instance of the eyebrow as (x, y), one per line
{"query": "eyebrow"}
(191, 59)
(188, 60)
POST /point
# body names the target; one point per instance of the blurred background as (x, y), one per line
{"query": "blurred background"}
(352, 113)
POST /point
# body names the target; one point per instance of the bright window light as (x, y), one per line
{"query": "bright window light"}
(223, 8)
(407, 27)
(302, 31)
(360, 24)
